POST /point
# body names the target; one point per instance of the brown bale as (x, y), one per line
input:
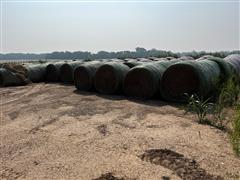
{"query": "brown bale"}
(18, 71)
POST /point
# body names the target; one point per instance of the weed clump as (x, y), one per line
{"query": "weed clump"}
(200, 106)
(227, 96)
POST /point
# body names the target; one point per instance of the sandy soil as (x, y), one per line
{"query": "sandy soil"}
(50, 131)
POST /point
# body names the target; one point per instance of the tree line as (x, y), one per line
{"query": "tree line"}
(139, 52)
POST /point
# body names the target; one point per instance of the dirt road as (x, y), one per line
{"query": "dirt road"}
(50, 131)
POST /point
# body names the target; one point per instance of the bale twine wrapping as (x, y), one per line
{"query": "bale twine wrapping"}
(234, 60)
(53, 72)
(67, 71)
(109, 78)
(191, 77)
(225, 68)
(143, 81)
(36, 72)
(84, 75)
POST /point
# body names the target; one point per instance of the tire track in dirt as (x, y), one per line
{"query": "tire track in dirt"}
(46, 123)
(10, 173)
(32, 90)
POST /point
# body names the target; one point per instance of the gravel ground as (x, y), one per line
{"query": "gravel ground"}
(51, 131)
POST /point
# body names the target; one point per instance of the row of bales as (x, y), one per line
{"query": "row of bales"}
(162, 78)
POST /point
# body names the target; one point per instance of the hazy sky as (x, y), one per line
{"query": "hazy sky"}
(112, 26)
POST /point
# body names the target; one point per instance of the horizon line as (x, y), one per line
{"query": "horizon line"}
(207, 51)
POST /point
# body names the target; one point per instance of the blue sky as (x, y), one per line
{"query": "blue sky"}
(112, 26)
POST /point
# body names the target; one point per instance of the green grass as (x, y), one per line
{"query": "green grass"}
(229, 92)
(200, 106)
(227, 96)
(235, 134)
